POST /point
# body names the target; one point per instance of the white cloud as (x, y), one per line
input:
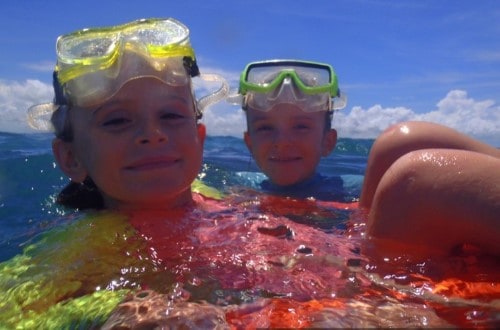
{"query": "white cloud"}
(224, 119)
(480, 119)
(477, 118)
(361, 123)
(16, 98)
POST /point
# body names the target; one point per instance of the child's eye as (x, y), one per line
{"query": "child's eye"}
(116, 121)
(113, 117)
(172, 116)
(263, 128)
(302, 126)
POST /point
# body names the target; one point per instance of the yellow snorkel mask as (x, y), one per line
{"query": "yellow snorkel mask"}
(93, 64)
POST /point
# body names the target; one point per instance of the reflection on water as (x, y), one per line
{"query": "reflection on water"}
(231, 265)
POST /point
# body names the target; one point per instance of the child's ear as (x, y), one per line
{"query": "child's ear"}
(329, 142)
(202, 133)
(248, 141)
(69, 164)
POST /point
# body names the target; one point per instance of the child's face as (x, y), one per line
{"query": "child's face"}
(141, 148)
(288, 143)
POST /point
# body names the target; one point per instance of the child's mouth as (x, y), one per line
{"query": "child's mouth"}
(152, 163)
(284, 159)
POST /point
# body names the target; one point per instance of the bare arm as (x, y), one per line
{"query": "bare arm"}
(432, 200)
(403, 138)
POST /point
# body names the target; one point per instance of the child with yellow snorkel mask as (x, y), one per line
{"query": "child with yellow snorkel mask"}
(125, 116)
(289, 106)
(127, 135)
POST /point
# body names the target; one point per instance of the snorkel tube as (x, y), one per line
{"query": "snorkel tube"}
(216, 96)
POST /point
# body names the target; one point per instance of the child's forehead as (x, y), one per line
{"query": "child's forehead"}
(146, 87)
(143, 103)
(147, 91)
(284, 111)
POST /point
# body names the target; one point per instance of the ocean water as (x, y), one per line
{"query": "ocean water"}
(29, 179)
(336, 286)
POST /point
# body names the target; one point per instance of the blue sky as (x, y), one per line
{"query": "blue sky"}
(397, 60)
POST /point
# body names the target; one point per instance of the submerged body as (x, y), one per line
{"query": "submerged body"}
(240, 267)
(341, 188)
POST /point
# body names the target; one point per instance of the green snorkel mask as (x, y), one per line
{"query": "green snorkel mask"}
(311, 86)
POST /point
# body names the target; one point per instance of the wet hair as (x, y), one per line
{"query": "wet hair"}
(82, 196)
(328, 120)
(85, 195)
(60, 119)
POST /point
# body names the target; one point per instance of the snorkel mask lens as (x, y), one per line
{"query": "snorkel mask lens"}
(309, 85)
(93, 64)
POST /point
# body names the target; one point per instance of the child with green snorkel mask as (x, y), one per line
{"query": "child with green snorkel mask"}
(441, 184)
(289, 106)
(125, 115)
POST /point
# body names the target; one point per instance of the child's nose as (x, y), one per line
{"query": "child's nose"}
(283, 137)
(151, 131)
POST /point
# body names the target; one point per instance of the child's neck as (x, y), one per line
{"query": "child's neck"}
(177, 203)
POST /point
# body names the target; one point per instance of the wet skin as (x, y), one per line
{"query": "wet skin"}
(142, 147)
(288, 143)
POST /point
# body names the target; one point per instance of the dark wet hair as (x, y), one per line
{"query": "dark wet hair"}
(59, 119)
(85, 195)
(328, 120)
(74, 195)
(82, 196)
